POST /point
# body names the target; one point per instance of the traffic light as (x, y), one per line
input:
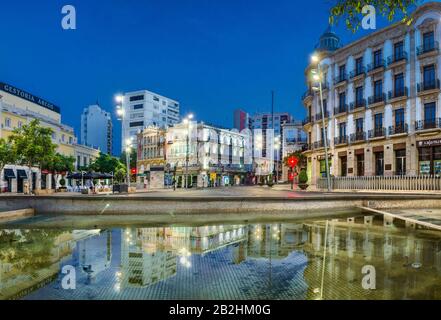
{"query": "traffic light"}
(293, 161)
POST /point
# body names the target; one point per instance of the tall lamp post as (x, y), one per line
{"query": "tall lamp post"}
(317, 76)
(276, 160)
(187, 121)
(128, 143)
(128, 151)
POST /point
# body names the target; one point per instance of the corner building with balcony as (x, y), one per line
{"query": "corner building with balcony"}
(381, 96)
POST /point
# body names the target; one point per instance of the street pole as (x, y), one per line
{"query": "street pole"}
(325, 137)
(128, 165)
(187, 157)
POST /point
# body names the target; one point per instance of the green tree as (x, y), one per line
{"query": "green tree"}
(59, 163)
(299, 155)
(32, 144)
(106, 164)
(133, 158)
(351, 11)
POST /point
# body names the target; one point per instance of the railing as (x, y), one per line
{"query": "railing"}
(358, 137)
(341, 140)
(428, 124)
(341, 109)
(401, 92)
(306, 147)
(307, 120)
(398, 129)
(396, 58)
(357, 73)
(428, 48)
(377, 98)
(358, 104)
(320, 144)
(392, 183)
(428, 85)
(376, 65)
(307, 94)
(319, 116)
(341, 78)
(377, 133)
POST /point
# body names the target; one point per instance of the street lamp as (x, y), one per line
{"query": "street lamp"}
(187, 121)
(317, 76)
(128, 151)
(276, 162)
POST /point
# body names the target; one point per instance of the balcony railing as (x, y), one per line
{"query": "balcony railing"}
(357, 104)
(376, 65)
(341, 140)
(357, 72)
(358, 136)
(399, 128)
(377, 98)
(397, 57)
(428, 124)
(319, 116)
(428, 85)
(320, 144)
(341, 78)
(341, 109)
(307, 94)
(401, 92)
(306, 147)
(377, 133)
(428, 48)
(307, 120)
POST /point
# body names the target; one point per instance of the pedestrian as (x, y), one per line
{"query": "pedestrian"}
(174, 184)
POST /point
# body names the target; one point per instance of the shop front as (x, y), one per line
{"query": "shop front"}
(9, 176)
(429, 157)
(322, 165)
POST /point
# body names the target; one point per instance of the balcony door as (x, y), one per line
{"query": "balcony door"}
(400, 162)
(399, 85)
(429, 77)
(379, 164)
(428, 41)
(398, 50)
(429, 115)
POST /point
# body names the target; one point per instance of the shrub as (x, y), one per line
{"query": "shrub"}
(303, 177)
(62, 182)
(270, 180)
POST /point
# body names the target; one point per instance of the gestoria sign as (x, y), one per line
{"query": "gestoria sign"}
(429, 143)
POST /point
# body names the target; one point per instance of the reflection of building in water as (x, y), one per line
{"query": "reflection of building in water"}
(145, 258)
(94, 253)
(403, 262)
(210, 238)
(30, 259)
(275, 240)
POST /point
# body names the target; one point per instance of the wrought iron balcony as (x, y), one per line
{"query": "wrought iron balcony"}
(357, 72)
(358, 137)
(377, 133)
(397, 57)
(307, 120)
(426, 124)
(341, 109)
(307, 94)
(434, 46)
(398, 128)
(376, 65)
(341, 78)
(428, 85)
(377, 98)
(341, 140)
(401, 92)
(306, 147)
(320, 144)
(357, 104)
(319, 116)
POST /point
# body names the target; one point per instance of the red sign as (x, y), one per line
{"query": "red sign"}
(293, 161)
(134, 171)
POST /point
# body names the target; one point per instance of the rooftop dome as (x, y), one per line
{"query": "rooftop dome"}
(329, 41)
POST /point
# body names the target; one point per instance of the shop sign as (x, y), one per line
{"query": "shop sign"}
(429, 143)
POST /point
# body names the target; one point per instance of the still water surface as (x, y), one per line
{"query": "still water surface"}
(258, 261)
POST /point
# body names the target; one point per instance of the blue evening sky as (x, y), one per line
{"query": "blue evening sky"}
(212, 56)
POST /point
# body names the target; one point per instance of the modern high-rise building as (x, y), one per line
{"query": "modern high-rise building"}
(96, 129)
(241, 120)
(381, 97)
(142, 109)
(265, 121)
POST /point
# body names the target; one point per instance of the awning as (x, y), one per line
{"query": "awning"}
(22, 174)
(9, 174)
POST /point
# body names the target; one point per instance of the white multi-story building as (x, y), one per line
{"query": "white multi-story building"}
(96, 129)
(382, 102)
(293, 140)
(142, 109)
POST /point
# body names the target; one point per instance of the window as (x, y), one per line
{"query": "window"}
(85, 161)
(378, 122)
(78, 162)
(400, 162)
(70, 140)
(399, 85)
(136, 98)
(429, 77)
(398, 51)
(379, 163)
(429, 115)
(342, 73)
(138, 106)
(359, 96)
(155, 99)
(359, 66)
(360, 165)
(7, 122)
(342, 102)
(359, 125)
(399, 118)
(428, 41)
(378, 90)
(344, 166)
(136, 124)
(20, 124)
(378, 58)
(63, 137)
(342, 130)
